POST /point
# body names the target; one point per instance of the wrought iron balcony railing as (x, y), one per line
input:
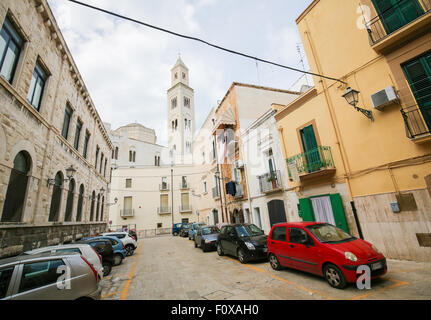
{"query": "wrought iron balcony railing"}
(395, 17)
(185, 208)
(414, 120)
(125, 213)
(312, 161)
(164, 187)
(216, 192)
(270, 181)
(164, 210)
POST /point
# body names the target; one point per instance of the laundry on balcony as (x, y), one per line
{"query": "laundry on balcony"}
(231, 188)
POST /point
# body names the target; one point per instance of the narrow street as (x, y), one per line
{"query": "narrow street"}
(170, 268)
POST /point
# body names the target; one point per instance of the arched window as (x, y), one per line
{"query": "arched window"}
(69, 202)
(54, 211)
(17, 188)
(80, 203)
(134, 156)
(93, 200)
(101, 208)
(116, 153)
(98, 207)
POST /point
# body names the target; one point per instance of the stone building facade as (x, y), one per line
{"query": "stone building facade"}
(48, 123)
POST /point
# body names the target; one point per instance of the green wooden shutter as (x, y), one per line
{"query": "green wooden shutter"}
(338, 210)
(305, 210)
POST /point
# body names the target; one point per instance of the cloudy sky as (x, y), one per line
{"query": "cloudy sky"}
(126, 67)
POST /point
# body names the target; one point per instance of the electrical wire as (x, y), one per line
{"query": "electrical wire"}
(204, 42)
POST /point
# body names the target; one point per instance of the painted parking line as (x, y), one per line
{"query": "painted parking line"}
(397, 283)
(110, 294)
(131, 273)
(292, 283)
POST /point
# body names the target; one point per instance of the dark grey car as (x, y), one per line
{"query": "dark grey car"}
(206, 238)
(47, 276)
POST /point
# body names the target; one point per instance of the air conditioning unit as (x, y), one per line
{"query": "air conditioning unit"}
(383, 98)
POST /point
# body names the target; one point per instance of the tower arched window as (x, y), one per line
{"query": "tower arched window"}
(17, 188)
(116, 153)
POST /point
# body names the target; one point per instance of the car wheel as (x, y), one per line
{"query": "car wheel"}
(242, 256)
(118, 259)
(196, 245)
(107, 267)
(204, 247)
(334, 276)
(129, 249)
(175, 234)
(273, 261)
(220, 250)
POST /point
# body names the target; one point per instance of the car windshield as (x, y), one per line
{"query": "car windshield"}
(210, 230)
(328, 233)
(249, 230)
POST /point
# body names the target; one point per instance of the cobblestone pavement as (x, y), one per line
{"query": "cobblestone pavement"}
(172, 268)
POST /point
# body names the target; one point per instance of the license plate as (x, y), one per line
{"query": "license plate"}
(376, 266)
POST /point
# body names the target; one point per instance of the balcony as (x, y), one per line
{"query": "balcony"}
(399, 22)
(270, 182)
(416, 126)
(164, 210)
(312, 164)
(127, 213)
(164, 187)
(186, 208)
(216, 193)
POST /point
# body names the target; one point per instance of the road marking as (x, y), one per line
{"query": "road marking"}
(397, 283)
(132, 272)
(110, 294)
(309, 291)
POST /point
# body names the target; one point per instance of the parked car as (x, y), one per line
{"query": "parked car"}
(323, 249)
(206, 237)
(193, 229)
(184, 232)
(176, 228)
(117, 245)
(129, 243)
(42, 277)
(104, 248)
(83, 249)
(245, 241)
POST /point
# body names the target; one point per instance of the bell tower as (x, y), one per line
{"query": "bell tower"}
(181, 114)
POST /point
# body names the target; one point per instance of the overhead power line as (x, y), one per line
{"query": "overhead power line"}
(203, 41)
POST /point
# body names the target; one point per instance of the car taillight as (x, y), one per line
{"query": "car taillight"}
(124, 247)
(100, 257)
(92, 268)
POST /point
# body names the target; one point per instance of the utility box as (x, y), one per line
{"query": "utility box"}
(395, 208)
(384, 97)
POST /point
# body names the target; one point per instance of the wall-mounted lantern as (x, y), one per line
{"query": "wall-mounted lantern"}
(69, 174)
(352, 98)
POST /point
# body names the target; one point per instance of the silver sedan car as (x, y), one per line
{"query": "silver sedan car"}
(48, 276)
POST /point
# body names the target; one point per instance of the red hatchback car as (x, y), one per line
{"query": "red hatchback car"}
(323, 249)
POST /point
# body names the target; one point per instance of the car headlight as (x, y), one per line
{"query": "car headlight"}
(375, 248)
(350, 256)
(250, 246)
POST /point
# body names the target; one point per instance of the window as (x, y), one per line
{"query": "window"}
(296, 235)
(54, 210)
(257, 217)
(128, 183)
(205, 187)
(173, 103)
(116, 153)
(10, 48)
(185, 124)
(77, 134)
(101, 208)
(164, 183)
(159, 225)
(101, 163)
(279, 234)
(97, 156)
(184, 182)
(68, 250)
(39, 274)
(37, 85)
(186, 102)
(98, 207)
(17, 188)
(184, 75)
(104, 170)
(80, 203)
(5, 276)
(132, 156)
(93, 202)
(86, 140)
(164, 203)
(66, 122)
(69, 201)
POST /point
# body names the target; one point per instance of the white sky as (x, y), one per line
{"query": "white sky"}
(126, 67)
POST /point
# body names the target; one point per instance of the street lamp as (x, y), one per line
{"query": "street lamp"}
(352, 98)
(69, 174)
